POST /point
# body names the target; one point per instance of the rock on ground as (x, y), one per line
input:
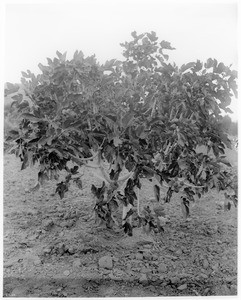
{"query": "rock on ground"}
(106, 262)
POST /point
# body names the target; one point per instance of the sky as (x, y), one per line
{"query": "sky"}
(35, 30)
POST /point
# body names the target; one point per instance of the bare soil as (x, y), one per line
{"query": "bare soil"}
(53, 249)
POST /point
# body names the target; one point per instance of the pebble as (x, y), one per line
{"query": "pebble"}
(143, 278)
(112, 276)
(230, 278)
(77, 263)
(172, 249)
(182, 287)
(178, 252)
(204, 276)
(47, 224)
(162, 268)
(215, 267)
(69, 223)
(147, 246)
(152, 289)
(115, 259)
(105, 272)
(106, 262)
(11, 262)
(47, 250)
(139, 256)
(205, 263)
(66, 273)
(174, 280)
(71, 250)
(145, 270)
(155, 257)
(161, 277)
(233, 290)
(19, 291)
(222, 290)
(119, 273)
(174, 257)
(37, 261)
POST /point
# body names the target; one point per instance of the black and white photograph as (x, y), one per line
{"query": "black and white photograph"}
(119, 148)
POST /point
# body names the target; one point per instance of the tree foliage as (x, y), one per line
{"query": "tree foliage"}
(229, 126)
(143, 115)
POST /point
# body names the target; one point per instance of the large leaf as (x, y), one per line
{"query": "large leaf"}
(187, 66)
(166, 45)
(11, 88)
(18, 97)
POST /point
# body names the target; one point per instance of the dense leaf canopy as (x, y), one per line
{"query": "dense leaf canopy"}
(142, 114)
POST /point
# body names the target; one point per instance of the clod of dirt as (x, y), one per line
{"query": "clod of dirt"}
(77, 263)
(145, 270)
(162, 268)
(139, 256)
(205, 263)
(182, 287)
(231, 278)
(47, 251)
(32, 259)
(11, 262)
(174, 280)
(222, 290)
(233, 290)
(71, 250)
(106, 262)
(143, 279)
(178, 252)
(47, 224)
(19, 291)
(66, 273)
(67, 224)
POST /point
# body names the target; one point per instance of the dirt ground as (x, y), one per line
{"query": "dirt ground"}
(53, 249)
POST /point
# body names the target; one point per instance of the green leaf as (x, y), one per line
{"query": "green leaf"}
(18, 97)
(198, 66)
(148, 171)
(42, 68)
(24, 74)
(78, 183)
(224, 161)
(139, 130)
(30, 117)
(166, 45)
(59, 54)
(220, 68)
(179, 140)
(209, 63)
(134, 35)
(152, 36)
(200, 170)
(11, 88)
(187, 66)
(127, 119)
(50, 62)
